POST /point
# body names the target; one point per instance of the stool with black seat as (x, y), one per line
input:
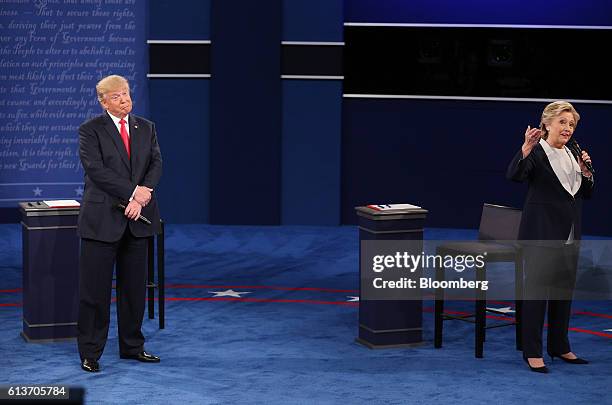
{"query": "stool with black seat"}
(497, 236)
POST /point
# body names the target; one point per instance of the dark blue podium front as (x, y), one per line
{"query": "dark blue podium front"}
(50, 272)
(387, 323)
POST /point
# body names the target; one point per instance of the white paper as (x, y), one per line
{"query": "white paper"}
(388, 207)
(62, 203)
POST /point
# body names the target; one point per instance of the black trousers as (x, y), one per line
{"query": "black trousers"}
(98, 259)
(550, 277)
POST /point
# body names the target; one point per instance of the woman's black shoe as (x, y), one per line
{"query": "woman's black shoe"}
(577, 360)
(542, 369)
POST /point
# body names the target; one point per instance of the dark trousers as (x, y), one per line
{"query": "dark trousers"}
(98, 259)
(550, 277)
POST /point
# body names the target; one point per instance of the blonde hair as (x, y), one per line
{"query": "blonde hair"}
(553, 110)
(110, 83)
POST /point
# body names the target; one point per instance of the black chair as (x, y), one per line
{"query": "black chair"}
(160, 284)
(498, 228)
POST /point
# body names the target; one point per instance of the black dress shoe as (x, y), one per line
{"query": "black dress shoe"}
(577, 360)
(543, 369)
(90, 365)
(142, 356)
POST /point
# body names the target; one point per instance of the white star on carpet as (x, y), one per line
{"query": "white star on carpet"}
(79, 191)
(229, 293)
(37, 191)
(505, 310)
(352, 299)
(607, 330)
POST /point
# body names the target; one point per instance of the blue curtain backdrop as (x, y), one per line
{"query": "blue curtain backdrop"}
(51, 56)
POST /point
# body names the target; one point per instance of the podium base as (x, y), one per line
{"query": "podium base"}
(394, 346)
(53, 340)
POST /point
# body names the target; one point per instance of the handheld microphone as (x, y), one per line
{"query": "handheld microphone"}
(121, 207)
(575, 148)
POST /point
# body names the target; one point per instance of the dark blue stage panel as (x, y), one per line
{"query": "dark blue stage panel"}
(312, 20)
(184, 136)
(245, 112)
(51, 56)
(311, 152)
(179, 19)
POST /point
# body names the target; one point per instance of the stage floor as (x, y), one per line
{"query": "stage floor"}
(269, 315)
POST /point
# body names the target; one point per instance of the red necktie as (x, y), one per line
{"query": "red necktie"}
(124, 137)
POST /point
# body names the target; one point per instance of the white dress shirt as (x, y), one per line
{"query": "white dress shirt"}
(565, 166)
(118, 125)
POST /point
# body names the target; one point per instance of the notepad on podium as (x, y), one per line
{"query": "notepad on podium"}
(393, 207)
(62, 203)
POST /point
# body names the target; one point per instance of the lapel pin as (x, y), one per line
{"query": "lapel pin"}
(136, 126)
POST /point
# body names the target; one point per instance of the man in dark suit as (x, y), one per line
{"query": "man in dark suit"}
(122, 164)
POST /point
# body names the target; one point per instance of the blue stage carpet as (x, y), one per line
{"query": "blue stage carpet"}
(291, 338)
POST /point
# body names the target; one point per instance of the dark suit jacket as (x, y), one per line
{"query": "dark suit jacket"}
(110, 177)
(549, 210)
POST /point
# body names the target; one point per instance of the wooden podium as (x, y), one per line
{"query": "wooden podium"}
(388, 323)
(50, 272)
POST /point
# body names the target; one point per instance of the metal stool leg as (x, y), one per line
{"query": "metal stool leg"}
(161, 293)
(150, 278)
(480, 325)
(438, 310)
(518, 303)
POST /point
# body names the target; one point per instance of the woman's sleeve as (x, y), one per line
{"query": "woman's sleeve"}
(586, 188)
(520, 168)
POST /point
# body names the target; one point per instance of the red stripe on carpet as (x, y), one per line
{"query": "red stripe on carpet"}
(350, 304)
(592, 314)
(342, 303)
(503, 318)
(592, 332)
(496, 317)
(262, 287)
(506, 303)
(14, 290)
